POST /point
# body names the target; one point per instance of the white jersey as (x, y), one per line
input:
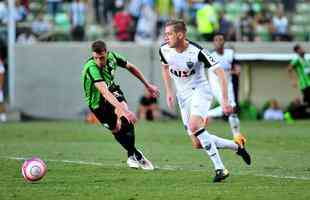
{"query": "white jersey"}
(187, 68)
(226, 59)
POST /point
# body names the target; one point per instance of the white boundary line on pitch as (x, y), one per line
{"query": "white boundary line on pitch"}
(167, 167)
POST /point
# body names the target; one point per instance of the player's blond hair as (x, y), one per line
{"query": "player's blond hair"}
(178, 25)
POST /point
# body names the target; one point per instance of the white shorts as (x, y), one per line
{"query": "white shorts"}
(216, 89)
(196, 102)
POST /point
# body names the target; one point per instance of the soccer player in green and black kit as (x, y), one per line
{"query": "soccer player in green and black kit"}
(301, 66)
(106, 100)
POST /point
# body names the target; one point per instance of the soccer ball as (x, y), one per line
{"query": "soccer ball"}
(34, 169)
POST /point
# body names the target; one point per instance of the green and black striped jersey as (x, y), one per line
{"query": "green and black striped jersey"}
(93, 73)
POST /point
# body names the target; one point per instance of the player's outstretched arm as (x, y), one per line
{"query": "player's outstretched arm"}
(223, 83)
(154, 91)
(102, 87)
(168, 88)
(292, 75)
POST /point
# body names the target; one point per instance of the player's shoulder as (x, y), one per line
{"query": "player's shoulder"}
(229, 50)
(89, 62)
(194, 48)
(296, 57)
(195, 45)
(164, 46)
(165, 50)
(112, 54)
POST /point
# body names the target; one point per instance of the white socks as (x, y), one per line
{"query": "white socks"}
(233, 119)
(234, 124)
(208, 144)
(222, 143)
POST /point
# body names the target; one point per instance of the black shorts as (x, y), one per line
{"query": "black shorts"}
(306, 95)
(106, 111)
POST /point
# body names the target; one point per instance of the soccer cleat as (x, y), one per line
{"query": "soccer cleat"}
(244, 154)
(220, 174)
(239, 139)
(132, 162)
(144, 163)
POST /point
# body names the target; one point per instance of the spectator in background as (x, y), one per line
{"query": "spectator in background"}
(273, 112)
(180, 9)
(78, 20)
(26, 36)
(53, 7)
(123, 24)
(108, 11)
(164, 9)
(207, 21)
(2, 71)
(40, 25)
(147, 24)
(148, 107)
(289, 5)
(280, 30)
(97, 8)
(20, 12)
(25, 3)
(299, 70)
(134, 9)
(226, 28)
(2, 12)
(247, 26)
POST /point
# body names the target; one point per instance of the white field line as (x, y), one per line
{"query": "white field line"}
(165, 167)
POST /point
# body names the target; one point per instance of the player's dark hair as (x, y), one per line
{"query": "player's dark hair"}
(219, 34)
(99, 46)
(296, 48)
(178, 25)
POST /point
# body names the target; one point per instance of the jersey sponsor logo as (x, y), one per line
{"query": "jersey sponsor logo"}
(182, 74)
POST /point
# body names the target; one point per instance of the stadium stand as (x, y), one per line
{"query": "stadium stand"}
(255, 16)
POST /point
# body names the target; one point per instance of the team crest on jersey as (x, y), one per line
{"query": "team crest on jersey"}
(189, 64)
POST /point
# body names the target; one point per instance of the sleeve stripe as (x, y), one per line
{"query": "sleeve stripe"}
(162, 57)
(92, 78)
(210, 58)
(120, 62)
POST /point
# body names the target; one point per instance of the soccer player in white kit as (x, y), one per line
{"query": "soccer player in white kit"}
(185, 63)
(226, 58)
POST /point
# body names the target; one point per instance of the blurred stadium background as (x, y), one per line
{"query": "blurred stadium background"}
(53, 38)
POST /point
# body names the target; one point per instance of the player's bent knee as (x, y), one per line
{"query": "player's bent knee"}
(193, 127)
(196, 146)
(195, 142)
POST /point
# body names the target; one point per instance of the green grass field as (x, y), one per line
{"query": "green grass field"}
(84, 162)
